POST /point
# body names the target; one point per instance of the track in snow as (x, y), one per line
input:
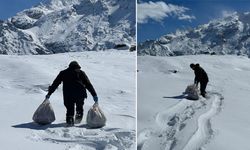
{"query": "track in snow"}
(186, 125)
(204, 131)
(80, 137)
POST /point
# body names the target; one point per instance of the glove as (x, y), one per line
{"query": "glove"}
(47, 96)
(95, 99)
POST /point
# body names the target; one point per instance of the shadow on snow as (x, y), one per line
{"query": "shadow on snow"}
(35, 126)
(179, 97)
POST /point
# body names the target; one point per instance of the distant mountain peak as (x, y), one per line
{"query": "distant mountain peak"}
(61, 2)
(229, 35)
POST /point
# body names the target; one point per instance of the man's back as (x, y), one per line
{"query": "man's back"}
(73, 82)
(200, 74)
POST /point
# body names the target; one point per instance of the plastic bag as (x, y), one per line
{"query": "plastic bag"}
(96, 117)
(192, 92)
(44, 113)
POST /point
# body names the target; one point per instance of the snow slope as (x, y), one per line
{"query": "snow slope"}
(168, 121)
(229, 35)
(23, 84)
(58, 26)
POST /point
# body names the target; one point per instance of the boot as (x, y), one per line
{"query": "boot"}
(203, 94)
(70, 121)
(78, 118)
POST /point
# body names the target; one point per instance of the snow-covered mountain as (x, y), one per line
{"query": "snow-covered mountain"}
(229, 35)
(57, 26)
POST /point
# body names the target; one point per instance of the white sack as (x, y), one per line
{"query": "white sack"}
(96, 117)
(192, 92)
(44, 113)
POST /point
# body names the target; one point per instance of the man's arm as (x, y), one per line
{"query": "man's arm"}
(55, 83)
(196, 79)
(88, 84)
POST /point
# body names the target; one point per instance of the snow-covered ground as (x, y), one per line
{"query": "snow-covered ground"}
(167, 120)
(24, 79)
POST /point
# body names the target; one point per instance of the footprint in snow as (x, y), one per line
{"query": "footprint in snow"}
(173, 120)
(95, 138)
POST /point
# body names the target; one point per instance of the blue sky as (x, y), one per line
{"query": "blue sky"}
(181, 14)
(9, 8)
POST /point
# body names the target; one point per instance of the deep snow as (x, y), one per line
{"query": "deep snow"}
(24, 79)
(167, 120)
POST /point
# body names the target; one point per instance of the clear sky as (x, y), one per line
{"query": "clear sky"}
(9, 8)
(159, 17)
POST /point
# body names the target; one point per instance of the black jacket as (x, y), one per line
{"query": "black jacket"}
(200, 75)
(75, 83)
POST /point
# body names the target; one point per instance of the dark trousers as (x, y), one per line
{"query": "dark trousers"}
(203, 85)
(70, 104)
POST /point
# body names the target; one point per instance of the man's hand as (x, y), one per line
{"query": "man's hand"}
(95, 99)
(47, 96)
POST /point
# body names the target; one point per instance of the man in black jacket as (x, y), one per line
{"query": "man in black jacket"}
(75, 83)
(200, 76)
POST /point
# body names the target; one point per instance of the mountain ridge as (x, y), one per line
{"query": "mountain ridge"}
(229, 35)
(57, 26)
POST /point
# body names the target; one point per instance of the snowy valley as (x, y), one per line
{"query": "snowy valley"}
(167, 120)
(98, 35)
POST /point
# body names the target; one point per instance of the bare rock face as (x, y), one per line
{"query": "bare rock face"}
(22, 22)
(34, 13)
